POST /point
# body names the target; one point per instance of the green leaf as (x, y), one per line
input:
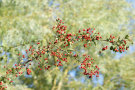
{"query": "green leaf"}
(95, 43)
(127, 36)
(111, 48)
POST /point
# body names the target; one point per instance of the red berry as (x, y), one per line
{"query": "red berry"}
(0, 83)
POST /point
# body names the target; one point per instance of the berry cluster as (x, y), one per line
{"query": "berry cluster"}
(28, 71)
(89, 67)
(104, 48)
(57, 51)
(118, 45)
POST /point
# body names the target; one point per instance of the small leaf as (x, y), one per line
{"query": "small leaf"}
(127, 36)
(111, 48)
(95, 43)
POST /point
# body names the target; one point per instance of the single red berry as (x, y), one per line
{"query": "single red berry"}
(1, 83)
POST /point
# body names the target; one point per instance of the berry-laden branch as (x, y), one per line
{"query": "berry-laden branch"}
(59, 50)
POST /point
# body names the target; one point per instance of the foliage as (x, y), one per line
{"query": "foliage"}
(23, 23)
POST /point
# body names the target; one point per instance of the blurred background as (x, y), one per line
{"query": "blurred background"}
(23, 22)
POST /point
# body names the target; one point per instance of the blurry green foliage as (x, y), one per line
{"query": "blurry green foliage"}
(24, 22)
